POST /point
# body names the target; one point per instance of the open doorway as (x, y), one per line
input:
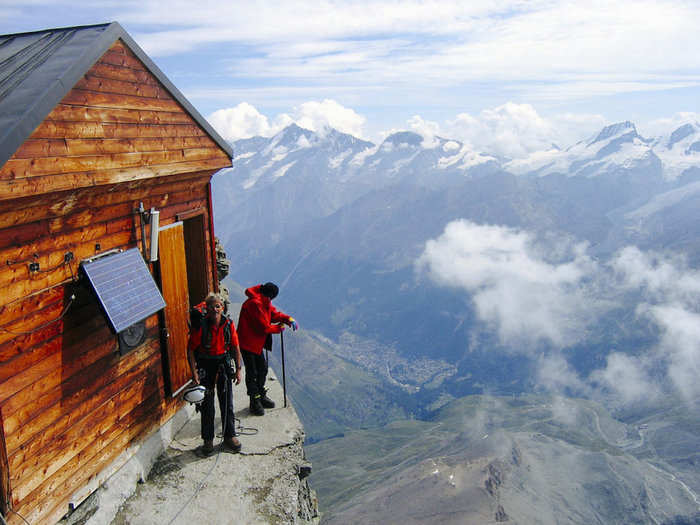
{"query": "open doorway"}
(196, 258)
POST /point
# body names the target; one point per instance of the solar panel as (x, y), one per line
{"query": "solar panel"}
(125, 288)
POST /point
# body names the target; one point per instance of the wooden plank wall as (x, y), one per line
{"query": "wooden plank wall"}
(69, 404)
(117, 124)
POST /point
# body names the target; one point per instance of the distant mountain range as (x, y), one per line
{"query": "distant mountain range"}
(342, 225)
(340, 222)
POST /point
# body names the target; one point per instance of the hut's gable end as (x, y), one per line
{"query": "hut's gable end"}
(117, 124)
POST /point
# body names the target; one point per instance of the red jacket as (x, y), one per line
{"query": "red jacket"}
(218, 344)
(255, 321)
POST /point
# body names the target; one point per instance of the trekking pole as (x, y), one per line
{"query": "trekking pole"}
(284, 379)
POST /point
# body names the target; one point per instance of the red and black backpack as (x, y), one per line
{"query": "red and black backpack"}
(198, 319)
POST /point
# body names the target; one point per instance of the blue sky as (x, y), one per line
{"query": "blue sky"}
(514, 73)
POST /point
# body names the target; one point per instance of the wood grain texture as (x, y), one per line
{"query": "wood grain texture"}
(114, 413)
(117, 124)
(174, 285)
(5, 493)
(70, 405)
(68, 181)
(76, 397)
(23, 168)
(154, 192)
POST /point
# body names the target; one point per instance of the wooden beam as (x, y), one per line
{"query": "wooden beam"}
(23, 168)
(83, 97)
(81, 229)
(72, 113)
(107, 85)
(69, 181)
(153, 192)
(106, 130)
(29, 306)
(106, 70)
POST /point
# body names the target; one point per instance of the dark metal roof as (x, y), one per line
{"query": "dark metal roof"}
(38, 69)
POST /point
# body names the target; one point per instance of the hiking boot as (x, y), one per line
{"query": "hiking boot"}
(256, 407)
(232, 443)
(266, 402)
(208, 447)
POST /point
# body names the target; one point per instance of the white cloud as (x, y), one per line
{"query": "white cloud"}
(627, 377)
(429, 50)
(512, 285)
(555, 374)
(665, 126)
(670, 293)
(663, 278)
(428, 130)
(529, 298)
(244, 120)
(680, 347)
(510, 130)
(318, 116)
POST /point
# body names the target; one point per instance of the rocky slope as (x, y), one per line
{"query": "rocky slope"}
(482, 459)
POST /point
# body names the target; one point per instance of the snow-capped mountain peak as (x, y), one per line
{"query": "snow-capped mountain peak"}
(679, 150)
(615, 130)
(404, 138)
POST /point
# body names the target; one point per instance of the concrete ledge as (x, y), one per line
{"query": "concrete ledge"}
(98, 502)
(264, 484)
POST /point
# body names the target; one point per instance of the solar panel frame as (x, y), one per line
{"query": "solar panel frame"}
(124, 288)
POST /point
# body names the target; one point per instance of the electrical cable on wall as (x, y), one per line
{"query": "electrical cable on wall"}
(68, 258)
(43, 325)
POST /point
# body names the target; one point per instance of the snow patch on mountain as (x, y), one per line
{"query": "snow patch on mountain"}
(244, 156)
(664, 201)
(303, 142)
(679, 150)
(335, 162)
(616, 146)
(466, 155)
(359, 158)
(450, 145)
(400, 163)
(283, 170)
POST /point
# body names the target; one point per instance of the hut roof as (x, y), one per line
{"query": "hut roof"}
(38, 69)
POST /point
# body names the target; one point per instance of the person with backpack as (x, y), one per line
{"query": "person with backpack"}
(212, 351)
(259, 319)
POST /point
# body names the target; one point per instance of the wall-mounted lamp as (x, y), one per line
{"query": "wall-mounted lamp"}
(151, 217)
(155, 224)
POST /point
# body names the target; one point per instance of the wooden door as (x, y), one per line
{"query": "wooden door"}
(173, 276)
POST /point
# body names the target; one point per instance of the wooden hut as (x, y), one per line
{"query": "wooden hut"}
(90, 130)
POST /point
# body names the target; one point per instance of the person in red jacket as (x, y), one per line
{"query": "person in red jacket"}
(257, 320)
(212, 351)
